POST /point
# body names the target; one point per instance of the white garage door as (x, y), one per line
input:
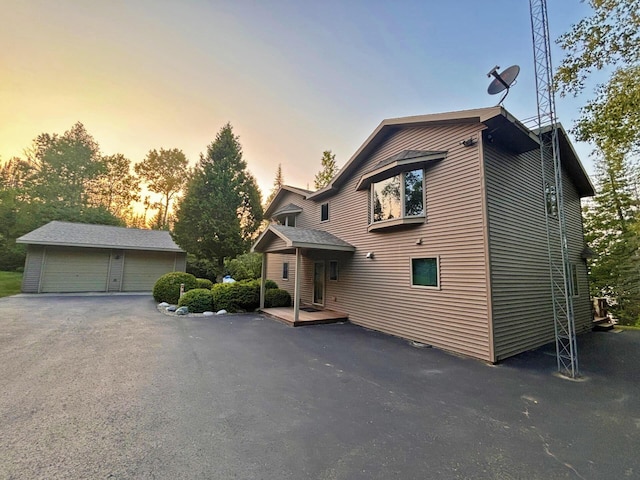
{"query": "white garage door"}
(142, 269)
(75, 270)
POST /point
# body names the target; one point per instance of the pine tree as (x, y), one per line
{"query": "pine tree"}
(277, 183)
(220, 212)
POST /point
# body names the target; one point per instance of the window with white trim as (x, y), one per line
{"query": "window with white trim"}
(285, 270)
(425, 272)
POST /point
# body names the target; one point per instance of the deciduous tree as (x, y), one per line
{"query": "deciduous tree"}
(328, 171)
(164, 172)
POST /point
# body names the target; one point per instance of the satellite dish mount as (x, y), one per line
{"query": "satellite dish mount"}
(502, 81)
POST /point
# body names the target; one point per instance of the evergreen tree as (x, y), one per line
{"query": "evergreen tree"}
(220, 212)
(329, 170)
(611, 230)
(277, 183)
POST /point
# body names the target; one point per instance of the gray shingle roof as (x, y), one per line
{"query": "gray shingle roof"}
(296, 237)
(100, 236)
(290, 208)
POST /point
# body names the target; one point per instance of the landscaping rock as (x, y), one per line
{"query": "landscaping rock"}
(171, 308)
(207, 314)
(182, 311)
(163, 304)
(221, 312)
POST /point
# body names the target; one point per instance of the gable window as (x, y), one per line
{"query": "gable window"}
(324, 212)
(425, 272)
(333, 270)
(285, 270)
(398, 197)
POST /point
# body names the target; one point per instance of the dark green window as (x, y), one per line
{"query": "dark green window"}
(424, 272)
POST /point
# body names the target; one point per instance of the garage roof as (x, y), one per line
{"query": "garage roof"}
(69, 234)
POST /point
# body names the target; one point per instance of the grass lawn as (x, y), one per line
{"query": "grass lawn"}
(10, 283)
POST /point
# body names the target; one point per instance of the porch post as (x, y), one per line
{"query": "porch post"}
(296, 291)
(263, 279)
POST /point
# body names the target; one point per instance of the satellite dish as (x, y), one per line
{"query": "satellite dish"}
(502, 81)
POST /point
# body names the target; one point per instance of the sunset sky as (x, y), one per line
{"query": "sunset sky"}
(294, 78)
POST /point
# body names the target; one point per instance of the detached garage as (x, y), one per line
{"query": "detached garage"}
(78, 257)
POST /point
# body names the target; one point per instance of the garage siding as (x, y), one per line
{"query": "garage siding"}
(75, 270)
(32, 269)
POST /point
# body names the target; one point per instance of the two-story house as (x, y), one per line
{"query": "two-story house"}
(435, 231)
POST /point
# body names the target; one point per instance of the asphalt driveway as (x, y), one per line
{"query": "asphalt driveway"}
(108, 387)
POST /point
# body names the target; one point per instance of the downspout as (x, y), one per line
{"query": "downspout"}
(296, 291)
(263, 280)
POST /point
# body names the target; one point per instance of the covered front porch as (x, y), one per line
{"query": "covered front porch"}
(298, 241)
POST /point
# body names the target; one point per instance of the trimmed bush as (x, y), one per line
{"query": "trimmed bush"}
(268, 284)
(198, 300)
(240, 296)
(204, 283)
(275, 297)
(167, 287)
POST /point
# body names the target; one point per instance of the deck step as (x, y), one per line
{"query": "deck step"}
(602, 325)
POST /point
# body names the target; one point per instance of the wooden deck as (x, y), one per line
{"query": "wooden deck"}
(285, 315)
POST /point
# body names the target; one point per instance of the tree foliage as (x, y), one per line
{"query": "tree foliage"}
(328, 171)
(611, 230)
(278, 181)
(164, 172)
(610, 36)
(59, 179)
(220, 212)
(117, 188)
(610, 39)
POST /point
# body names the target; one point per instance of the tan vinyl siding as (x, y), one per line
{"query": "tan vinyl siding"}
(32, 269)
(519, 260)
(377, 293)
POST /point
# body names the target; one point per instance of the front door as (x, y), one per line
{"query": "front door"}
(318, 283)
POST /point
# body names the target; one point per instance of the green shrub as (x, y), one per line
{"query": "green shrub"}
(167, 287)
(240, 296)
(268, 284)
(198, 300)
(247, 266)
(275, 297)
(204, 283)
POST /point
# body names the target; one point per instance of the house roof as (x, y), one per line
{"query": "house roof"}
(69, 234)
(295, 237)
(287, 209)
(398, 163)
(268, 212)
(503, 127)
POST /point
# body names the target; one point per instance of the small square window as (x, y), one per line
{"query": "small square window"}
(424, 272)
(333, 270)
(285, 270)
(324, 212)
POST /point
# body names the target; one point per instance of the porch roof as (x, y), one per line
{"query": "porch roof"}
(296, 237)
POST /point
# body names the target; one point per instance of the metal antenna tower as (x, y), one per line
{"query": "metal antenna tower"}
(560, 274)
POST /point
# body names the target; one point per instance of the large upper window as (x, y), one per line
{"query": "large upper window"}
(400, 196)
